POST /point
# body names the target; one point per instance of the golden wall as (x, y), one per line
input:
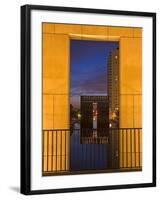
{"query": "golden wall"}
(56, 78)
(131, 98)
(55, 99)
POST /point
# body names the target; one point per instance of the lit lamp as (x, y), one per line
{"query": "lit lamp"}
(79, 116)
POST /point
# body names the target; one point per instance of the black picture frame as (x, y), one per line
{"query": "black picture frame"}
(25, 184)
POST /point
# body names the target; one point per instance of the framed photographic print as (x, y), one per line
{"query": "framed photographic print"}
(88, 99)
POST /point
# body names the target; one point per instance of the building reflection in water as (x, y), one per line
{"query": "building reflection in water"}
(94, 116)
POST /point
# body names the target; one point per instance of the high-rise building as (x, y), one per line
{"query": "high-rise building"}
(113, 97)
(113, 84)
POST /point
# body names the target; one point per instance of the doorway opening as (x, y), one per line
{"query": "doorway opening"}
(94, 103)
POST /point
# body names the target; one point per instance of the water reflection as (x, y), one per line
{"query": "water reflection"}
(87, 153)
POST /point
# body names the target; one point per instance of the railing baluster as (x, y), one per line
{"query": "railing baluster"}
(93, 148)
(105, 158)
(47, 149)
(86, 155)
(135, 130)
(56, 150)
(65, 150)
(131, 145)
(91, 154)
(99, 156)
(74, 149)
(118, 132)
(126, 148)
(61, 151)
(52, 152)
(111, 150)
(139, 148)
(122, 148)
(43, 156)
(114, 147)
(79, 150)
(81, 164)
(102, 156)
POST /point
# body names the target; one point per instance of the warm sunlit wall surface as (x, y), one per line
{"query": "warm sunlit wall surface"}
(131, 93)
(55, 95)
(131, 82)
(56, 55)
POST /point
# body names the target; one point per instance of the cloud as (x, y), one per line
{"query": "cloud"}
(96, 84)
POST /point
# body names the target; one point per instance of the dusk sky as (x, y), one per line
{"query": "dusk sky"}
(88, 68)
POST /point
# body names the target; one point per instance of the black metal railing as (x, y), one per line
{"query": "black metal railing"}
(67, 150)
(55, 150)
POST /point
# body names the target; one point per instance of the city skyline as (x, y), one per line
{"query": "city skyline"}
(88, 68)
